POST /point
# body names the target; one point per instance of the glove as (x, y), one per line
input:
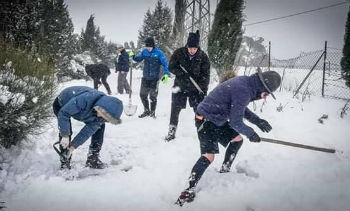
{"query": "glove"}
(165, 79)
(65, 142)
(131, 54)
(264, 126)
(254, 138)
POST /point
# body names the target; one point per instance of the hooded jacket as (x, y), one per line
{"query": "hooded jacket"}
(229, 101)
(79, 102)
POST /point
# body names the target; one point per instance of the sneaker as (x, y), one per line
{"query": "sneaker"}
(187, 195)
(171, 133)
(94, 162)
(144, 114)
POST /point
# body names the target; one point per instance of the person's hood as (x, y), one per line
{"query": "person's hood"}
(111, 108)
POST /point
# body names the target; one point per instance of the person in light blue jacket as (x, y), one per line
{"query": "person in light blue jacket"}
(153, 58)
(92, 107)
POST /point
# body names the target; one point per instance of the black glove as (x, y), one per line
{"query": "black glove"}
(264, 126)
(254, 138)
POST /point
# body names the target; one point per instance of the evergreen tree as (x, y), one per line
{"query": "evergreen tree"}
(88, 41)
(226, 35)
(345, 61)
(157, 24)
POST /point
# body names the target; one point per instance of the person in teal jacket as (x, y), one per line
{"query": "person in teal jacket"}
(153, 58)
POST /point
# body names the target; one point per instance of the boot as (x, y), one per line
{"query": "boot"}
(93, 161)
(171, 133)
(152, 114)
(144, 114)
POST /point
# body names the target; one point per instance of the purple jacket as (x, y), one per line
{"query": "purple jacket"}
(229, 101)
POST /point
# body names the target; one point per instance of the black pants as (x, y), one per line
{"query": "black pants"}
(96, 138)
(97, 81)
(178, 102)
(149, 88)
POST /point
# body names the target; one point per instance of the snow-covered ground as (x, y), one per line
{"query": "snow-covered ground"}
(146, 173)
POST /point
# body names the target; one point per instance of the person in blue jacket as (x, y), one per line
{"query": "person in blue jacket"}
(122, 66)
(219, 119)
(153, 58)
(92, 107)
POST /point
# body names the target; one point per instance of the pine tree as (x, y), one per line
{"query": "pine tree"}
(345, 61)
(88, 41)
(226, 34)
(157, 24)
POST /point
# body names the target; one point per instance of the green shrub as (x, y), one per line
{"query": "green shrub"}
(27, 86)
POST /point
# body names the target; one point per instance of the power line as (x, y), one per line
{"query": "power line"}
(300, 13)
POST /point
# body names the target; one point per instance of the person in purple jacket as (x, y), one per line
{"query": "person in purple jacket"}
(219, 119)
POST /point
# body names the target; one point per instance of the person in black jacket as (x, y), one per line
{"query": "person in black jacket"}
(99, 72)
(196, 63)
(122, 66)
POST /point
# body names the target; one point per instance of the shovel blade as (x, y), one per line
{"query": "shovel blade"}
(130, 109)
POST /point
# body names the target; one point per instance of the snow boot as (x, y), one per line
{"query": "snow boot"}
(187, 195)
(144, 114)
(171, 133)
(93, 161)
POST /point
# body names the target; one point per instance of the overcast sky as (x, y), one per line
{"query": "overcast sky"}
(120, 20)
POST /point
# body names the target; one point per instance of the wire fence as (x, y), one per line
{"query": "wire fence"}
(311, 73)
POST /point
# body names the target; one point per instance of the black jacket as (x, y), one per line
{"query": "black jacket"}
(97, 71)
(198, 68)
(123, 62)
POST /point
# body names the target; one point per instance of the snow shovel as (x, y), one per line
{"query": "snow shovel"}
(130, 109)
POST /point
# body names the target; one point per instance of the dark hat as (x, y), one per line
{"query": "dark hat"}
(149, 42)
(193, 40)
(270, 79)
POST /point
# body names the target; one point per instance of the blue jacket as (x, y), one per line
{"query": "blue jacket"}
(79, 102)
(229, 101)
(122, 63)
(152, 62)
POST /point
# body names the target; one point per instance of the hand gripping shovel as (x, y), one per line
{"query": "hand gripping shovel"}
(130, 109)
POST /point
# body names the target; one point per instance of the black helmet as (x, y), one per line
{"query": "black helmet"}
(270, 79)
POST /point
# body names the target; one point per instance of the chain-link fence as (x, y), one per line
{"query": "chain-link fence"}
(314, 73)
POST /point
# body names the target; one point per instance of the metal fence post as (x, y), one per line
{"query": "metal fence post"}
(269, 55)
(324, 66)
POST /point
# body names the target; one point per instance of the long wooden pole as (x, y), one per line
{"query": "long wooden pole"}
(275, 141)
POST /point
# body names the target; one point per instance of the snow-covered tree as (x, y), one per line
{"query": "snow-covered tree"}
(226, 34)
(94, 42)
(27, 86)
(251, 51)
(345, 61)
(157, 24)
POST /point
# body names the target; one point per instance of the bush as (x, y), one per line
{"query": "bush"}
(27, 86)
